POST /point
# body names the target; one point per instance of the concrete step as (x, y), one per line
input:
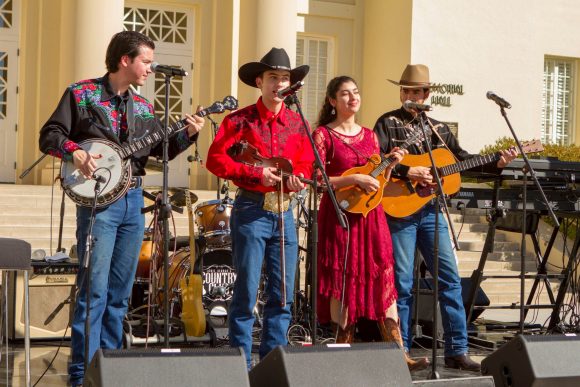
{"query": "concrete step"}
(470, 235)
(25, 212)
(477, 245)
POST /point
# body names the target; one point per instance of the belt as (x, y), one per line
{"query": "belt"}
(252, 195)
(269, 200)
(136, 182)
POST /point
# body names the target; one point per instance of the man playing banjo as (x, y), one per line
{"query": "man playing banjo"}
(107, 109)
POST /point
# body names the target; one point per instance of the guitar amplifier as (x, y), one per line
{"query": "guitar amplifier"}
(51, 288)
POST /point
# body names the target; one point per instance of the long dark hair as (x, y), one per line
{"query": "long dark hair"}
(325, 117)
(125, 43)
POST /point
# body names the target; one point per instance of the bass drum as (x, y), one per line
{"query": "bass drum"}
(179, 268)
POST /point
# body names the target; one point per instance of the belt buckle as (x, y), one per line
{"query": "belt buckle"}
(271, 202)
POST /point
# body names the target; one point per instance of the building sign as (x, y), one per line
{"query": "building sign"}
(441, 93)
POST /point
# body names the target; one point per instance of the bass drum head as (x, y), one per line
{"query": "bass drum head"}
(219, 276)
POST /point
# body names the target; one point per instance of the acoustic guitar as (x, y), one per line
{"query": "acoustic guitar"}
(192, 313)
(353, 198)
(403, 198)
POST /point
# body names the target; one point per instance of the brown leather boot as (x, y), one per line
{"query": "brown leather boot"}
(343, 335)
(391, 332)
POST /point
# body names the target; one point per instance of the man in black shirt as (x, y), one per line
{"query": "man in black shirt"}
(106, 108)
(418, 230)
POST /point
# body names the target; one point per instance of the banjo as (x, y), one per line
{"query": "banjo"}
(114, 167)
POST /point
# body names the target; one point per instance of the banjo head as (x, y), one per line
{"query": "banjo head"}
(110, 166)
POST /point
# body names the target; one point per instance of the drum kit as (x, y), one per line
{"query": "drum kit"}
(214, 263)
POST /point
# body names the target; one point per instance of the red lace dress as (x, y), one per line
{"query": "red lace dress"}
(369, 284)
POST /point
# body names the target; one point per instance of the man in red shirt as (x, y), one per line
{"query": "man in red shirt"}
(275, 131)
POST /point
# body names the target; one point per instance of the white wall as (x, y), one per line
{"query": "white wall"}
(493, 45)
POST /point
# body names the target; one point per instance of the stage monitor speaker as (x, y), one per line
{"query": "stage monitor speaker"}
(218, 367)
(370, 364)
(535, 361)
(425, 302)
(50, 305)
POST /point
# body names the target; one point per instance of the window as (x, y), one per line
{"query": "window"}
(170, 30)
(557, 113)
(160, 25)
(316, 53)
(3, 84)
(6, 14)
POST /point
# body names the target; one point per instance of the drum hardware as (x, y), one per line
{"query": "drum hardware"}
(176, 197)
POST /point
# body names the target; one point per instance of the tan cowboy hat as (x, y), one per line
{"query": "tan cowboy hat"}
(414, 77)
(275, 59)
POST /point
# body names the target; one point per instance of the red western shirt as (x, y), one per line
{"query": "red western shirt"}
(274, 135)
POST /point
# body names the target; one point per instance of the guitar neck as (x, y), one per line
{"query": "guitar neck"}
(468, 164)
(382, 166)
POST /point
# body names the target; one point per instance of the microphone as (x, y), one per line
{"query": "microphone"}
(409, 105)
(292, 89)
(497, 99)
(167, 70)
(99, 179)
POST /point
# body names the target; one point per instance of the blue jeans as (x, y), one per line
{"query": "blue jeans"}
(255, 240)
(419, 230)
(117, 236)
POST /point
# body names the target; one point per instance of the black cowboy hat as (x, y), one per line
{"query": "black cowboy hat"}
(275, 59)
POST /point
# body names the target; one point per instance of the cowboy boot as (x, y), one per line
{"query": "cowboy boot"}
(343, 335)
(391, 332)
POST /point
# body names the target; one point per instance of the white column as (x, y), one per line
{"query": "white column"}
(277, 21)
(97, 22)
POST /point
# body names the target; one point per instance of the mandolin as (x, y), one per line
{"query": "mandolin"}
(192, 313)
(353, 198)
(403, 198)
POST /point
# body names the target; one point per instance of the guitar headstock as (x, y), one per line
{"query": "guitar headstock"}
(215, 108)
(230, 103)
(415, 137)
(533, 146)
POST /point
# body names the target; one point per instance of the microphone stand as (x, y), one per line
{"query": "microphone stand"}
(440, 201)
(87, 264)
(215, 127)
(526, 169)
(27, 171)
(313, 246)
(164, 213)
(62, 203)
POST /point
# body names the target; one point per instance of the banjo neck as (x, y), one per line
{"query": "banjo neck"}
(155, 137)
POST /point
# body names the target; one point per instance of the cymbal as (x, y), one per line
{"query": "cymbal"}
(178, 198)
(153, 167)
(176, 194)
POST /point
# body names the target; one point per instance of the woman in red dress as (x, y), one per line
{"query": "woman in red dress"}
(355, 265)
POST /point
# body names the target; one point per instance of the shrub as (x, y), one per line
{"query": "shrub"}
(562, 152)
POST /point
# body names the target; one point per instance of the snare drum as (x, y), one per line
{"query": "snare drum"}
(213, 222)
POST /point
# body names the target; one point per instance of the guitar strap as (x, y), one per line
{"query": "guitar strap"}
(434, 130)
